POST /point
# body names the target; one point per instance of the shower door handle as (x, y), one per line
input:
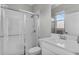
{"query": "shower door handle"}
(34, 31)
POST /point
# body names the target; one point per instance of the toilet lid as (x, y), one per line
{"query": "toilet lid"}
(35, 49)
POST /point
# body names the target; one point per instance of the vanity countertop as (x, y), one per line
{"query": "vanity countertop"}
(69, 45)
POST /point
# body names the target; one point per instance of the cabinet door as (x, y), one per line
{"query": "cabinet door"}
(13, 32)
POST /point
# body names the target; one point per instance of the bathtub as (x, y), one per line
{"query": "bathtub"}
(55, 46)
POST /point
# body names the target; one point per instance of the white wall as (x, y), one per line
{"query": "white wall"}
(45, 19)
(53, 26)
(68, 8)
(72, 23)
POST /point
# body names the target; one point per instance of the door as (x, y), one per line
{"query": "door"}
(13, 32)
(29, 32)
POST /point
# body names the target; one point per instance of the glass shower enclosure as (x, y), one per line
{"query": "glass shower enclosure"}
(17, 32)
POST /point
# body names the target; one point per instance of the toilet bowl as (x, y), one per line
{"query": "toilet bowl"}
(35, 51)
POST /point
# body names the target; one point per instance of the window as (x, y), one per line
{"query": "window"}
(60, 16)
(60, 19)
(60, 22)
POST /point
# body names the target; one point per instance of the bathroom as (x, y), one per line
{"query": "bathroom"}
(39, 29)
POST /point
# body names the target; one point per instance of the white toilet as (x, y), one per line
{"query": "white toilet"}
(35, 51)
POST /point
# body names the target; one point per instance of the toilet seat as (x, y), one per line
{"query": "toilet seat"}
(35, 51)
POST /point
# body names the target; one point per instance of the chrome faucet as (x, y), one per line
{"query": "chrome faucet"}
(62, 37)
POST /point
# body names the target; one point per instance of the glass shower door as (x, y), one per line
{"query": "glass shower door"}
(18, 29)
(13, 32)
(1, 33)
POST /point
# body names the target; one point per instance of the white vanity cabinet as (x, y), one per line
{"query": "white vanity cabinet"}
(54, 45)
(50, 49)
